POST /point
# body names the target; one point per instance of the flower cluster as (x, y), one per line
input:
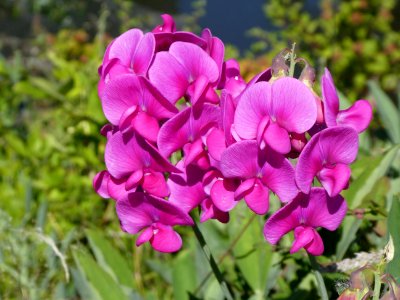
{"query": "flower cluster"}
(186, 131)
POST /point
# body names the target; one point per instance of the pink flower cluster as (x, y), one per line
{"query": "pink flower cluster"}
(186, 131)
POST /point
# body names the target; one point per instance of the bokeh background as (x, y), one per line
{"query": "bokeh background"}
(59, 240)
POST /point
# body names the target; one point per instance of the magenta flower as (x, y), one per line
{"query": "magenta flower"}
(269, 113)
(130, 101)
(261, 171)
(130, 156)
(186, 130)
(131, 52)
(358, 115)
(186, 69)
(303, 215)
(327, 156)
(109, 187)
(155, 217)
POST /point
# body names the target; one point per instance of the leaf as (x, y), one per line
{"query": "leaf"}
(102, 282)
(350, 227)
(84, 288)
(184, 277)
(389, 114)
(393, 267)
(374, 170)
(110, 259)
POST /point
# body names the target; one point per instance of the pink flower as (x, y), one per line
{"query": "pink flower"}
(327, 156)
(260, 171)
(269, 112)
(155, 217)
(357, 116)
(303, 215)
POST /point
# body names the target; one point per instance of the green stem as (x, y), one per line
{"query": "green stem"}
(211, 261)
(318, 276)
(292, 62)
(377, 284)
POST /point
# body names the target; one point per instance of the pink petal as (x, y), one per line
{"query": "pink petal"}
(277, 138)
(228, 114)
(282, 221)
(197, 89)
(258, 198)
(184, 128)
(292, 105)
(302, 237)
(144, 54)
(120, 94)
(357, 116)
(195, 60)
(186, 188)
(316, 247)
(125, 45)
(328, 147)
(169, 76)
(222, 194)
(192, 151)
(154, 184)
(144, 236)
(240, 160)
(210, 211)
(147, 126)
(334, 179)
(244, 188)
(126, 118)
(330, 98)
(100, 182)
(320, 210)
(134, 180)
(167, 26)
(251, 109)
(216, 143)
(116, 188)
(165, 239)
(279, 176)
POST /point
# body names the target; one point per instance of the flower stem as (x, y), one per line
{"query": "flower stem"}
(211, 261)
(318, 276)
(377, 284)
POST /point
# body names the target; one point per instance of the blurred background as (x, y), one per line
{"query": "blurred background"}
(60, 240)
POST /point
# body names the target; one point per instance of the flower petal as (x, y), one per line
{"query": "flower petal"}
(302, 237)
(100, 182)
(277, 138)
(251, 109)
(240, 160)
(146, 125)
(125, 45)
(357, 116)
(330, 98)
(216, 143)
(222, 194)
(166, 240)
(169, 76)
(292, 105)
(257, 198)
(144, 54)
(334, 179)
(154, 183)
(316, 247)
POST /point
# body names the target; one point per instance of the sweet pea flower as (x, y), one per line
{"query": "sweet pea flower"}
(131, 101)
(131, 157)
(327, 156)
(185, 69)
(357, 116)
(186, 130)
(194, 187)
(261, 171)
(131, 52)
(270, 112)
(155, 217)
(304, 214)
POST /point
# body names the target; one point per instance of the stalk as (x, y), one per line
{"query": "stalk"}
(318, 276)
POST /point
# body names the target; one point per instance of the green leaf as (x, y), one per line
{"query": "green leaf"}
(374, 170)
(393, 267)
(184, 274)
(110, 259)
(350, 227)
(389, 114)
(103, 284)
(253, 255)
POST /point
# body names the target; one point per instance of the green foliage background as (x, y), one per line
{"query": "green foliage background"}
(59, 240)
